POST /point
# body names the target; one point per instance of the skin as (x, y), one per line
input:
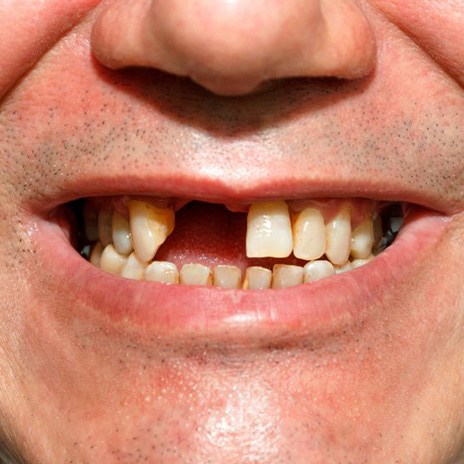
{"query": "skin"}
(76, 387)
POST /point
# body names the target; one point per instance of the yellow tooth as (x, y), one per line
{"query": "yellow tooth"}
(96, 253)
(121, 234)
(316, 270)
(227, 276)
(286, 275)
(361, 262)
(363, 239)
(104, 227)
(269, 232)
(338, 237)
(162, 271)
(257, 277)
(195, 274)
(133, 268)
(150, 225)
(309, 234)
(111, 261)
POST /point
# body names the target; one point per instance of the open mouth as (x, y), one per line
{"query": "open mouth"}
(256, 246)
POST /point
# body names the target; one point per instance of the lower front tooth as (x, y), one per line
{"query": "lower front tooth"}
(338, 237)
(341, 269)
(111, 261)
(227, 276)
(195, 274)
(361, 262)
(269, 232)
(133, 268)
(316, 270)
(162, 271)
(286, 275)
(121, 234)
(257, 278)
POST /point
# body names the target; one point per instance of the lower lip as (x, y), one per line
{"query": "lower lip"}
(173, 311)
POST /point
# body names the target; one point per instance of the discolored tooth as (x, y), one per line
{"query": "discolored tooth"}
(133, 268)
(150, 225)
(95, 254)
(286, 275)
(309, 234)
(361, 262)
(90, 222)
(227, 276)
(378, 230)
(269, 232)
(345, 267)
(338, 237)
(111, 261)
(316, 270)
(104, 227)
(363, 239)
(121, 234)
(257, 278)
(195, 274)
(162, 271)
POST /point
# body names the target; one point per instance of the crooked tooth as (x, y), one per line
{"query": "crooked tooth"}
(104, 227)
(195, 274)
(363, 239)
(257, 278)
(162, 271)
(95, 254)
(269, 232)
(286, 275)
(150, 225)
(133, 268)
(227, 276)
(309, 234)
(338, 237)
(121, 234)
(316, 270)
(111, 261)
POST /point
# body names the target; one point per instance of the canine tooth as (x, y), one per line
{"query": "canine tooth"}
(309, 234)
(90, 222)
(227, 276)
(150, 225)
(257, 277)
(286, 275)
(269, 231)
(195, 274)
(338, 237)
(162, 271)
(362, 239)
(361, 262)
(133, 268)
(95, 254)
(316, 270)
(121, 234)
(111, 261)
(345, 267)
(104, 227)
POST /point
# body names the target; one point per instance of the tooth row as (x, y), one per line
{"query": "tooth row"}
(224, 276)
(272, 231)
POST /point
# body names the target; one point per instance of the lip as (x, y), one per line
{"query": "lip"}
(240, 316)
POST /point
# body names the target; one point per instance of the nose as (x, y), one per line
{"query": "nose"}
(231, 47)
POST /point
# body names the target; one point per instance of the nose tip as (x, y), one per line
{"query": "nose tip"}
(231, 47)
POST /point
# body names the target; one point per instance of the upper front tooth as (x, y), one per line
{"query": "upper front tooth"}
(363, 239)
(309, 234)
(150, 225)
(121, 234)
(269, 231)
(338, 237)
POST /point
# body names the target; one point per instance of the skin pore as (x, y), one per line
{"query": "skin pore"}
(231, 101)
